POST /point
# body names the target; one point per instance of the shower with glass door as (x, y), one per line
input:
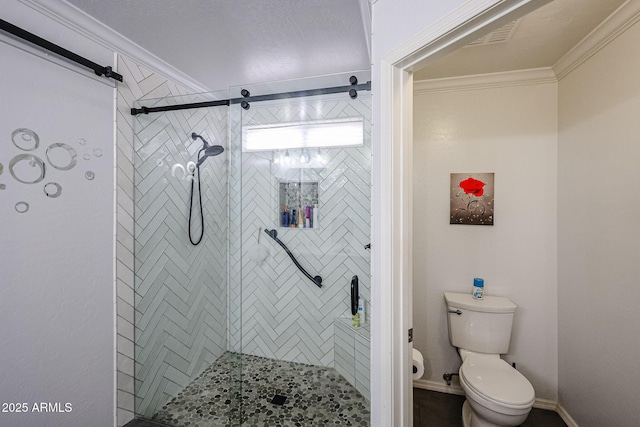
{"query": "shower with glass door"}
(252, 216)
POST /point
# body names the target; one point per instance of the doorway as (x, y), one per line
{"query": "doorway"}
(449, 276)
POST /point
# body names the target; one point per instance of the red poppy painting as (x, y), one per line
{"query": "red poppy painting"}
(473, 186)
(471, 199)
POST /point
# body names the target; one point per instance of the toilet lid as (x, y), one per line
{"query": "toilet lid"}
(496, 380)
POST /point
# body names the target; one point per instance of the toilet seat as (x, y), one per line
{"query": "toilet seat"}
(496, 381)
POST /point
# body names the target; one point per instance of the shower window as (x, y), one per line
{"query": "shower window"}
(346, 132)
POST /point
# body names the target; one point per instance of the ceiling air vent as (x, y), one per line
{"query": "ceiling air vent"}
(501, 35)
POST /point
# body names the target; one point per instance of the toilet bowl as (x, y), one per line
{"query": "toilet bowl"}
(497, 394)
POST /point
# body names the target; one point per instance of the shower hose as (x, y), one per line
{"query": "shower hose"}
(195, 243)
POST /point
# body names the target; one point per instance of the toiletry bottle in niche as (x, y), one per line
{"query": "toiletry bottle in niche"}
(292, 223)
(315, 222)
(478, 288)
(300, 221)
(285, 216)
(307, 215)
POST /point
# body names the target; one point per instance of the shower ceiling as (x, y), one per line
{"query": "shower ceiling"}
(223, 43)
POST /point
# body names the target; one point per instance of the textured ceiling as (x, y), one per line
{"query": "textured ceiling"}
(539, 40)
(223, 43)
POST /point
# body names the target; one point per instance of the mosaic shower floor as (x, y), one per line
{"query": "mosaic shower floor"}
(315, 396)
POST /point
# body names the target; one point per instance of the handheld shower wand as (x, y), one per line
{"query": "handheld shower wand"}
(209, 151)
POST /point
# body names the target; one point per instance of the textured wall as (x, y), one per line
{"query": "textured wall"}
(284, 315)
(56, 282)
(511, 131)
(598, 244)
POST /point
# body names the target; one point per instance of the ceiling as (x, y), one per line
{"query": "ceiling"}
(223, 43)
(538, 40)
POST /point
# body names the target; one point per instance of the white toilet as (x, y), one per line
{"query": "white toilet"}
(497, 394)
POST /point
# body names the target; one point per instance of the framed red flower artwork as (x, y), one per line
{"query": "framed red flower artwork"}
(471, 198)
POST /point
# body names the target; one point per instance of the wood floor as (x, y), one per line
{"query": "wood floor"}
(433, 409)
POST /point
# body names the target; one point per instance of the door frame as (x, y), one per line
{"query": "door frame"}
(391, 352)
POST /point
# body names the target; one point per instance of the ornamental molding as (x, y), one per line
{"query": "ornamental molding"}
(485, 81)
(611, 28)
(627, 15)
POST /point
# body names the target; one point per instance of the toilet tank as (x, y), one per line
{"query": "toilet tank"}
(483, 326)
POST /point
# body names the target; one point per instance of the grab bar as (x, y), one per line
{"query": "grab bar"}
(274, 235)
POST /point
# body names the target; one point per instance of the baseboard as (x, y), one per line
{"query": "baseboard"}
(546, 404)
(438, 386)
(549, 405)
(566, 417)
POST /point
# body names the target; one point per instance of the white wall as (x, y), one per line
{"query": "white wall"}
(509, 130)
(56, 285)
(598, 243)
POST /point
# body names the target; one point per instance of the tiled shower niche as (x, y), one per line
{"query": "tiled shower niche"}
(296, 196)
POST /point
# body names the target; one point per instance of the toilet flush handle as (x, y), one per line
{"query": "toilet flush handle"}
(458, 312)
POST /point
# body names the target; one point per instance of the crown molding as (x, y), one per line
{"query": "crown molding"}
(616, 24)
(77, 20)
(485, 81)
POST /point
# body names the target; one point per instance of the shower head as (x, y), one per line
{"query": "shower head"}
(208, 149)
(213, 150)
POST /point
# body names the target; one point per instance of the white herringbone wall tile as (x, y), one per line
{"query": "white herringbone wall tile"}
(283, 314)
(138, 82)
(186, 315)
(180, 289)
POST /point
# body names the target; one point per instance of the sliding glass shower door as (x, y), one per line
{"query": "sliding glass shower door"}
(300, 211)
(184, 372)
(253, 325)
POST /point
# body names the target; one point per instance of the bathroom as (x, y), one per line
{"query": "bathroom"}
(520, 119)
(94, 337)
(209, 282)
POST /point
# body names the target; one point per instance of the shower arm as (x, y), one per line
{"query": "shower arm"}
(317, 280)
